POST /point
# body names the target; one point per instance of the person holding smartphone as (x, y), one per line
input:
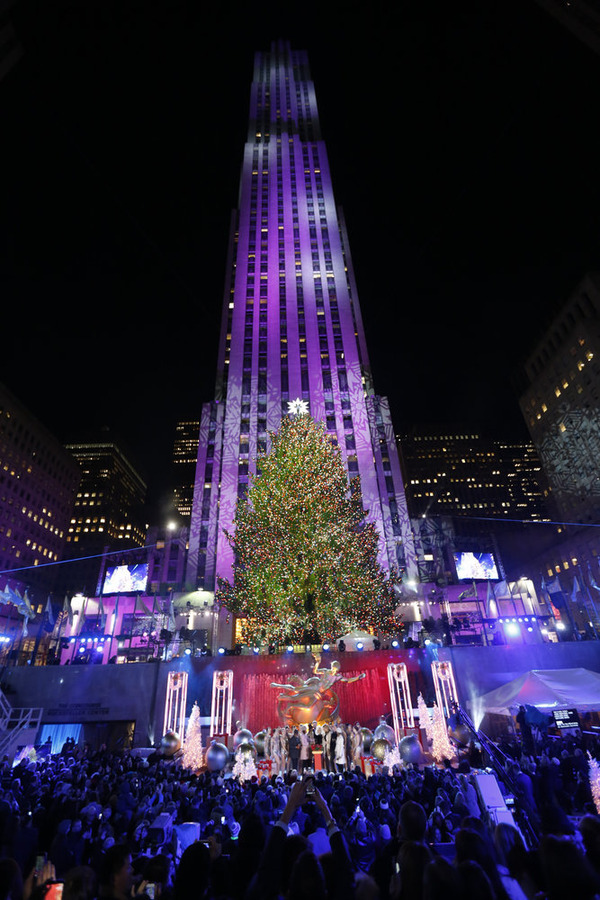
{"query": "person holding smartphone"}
(271, 879)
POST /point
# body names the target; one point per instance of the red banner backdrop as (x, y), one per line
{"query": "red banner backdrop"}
(255, 701)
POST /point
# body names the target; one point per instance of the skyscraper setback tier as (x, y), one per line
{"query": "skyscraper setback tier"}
(291, 327)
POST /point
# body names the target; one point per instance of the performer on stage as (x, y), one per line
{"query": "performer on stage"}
(356, 744)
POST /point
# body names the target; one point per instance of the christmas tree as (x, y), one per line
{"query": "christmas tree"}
(424, 718)
(193, 752)
(305, 555)
(594, 775)
(442, 747)
(244, 768)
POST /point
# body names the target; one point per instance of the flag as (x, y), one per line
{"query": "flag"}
(26, 605)
(68, 610)
(575, 590)
(550, 594)
(142, 606)
(25, 629)
(21, 602)
(115, 616)
(49, 612)
(502, 591)
(555, 591)
(488, 600)
(470, 592)
(172, 624)
(82, 615)
(101, 614)
(593, 582)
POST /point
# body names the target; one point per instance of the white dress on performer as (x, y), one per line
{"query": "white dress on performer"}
(340, 749)
(276, 752)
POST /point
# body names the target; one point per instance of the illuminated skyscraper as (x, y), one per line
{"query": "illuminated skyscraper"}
(291, 327)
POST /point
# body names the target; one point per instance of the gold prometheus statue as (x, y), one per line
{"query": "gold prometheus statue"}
(313, 699)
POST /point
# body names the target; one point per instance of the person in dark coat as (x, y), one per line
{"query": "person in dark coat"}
(294, 749)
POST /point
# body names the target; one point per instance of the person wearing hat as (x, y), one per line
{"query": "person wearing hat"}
(385, 815)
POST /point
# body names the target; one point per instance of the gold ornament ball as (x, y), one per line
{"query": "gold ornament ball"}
(170, 743)
(379, 748)
(367, 736)
(246, 749)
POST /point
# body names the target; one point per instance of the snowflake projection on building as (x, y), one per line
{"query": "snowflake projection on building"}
(297, 407)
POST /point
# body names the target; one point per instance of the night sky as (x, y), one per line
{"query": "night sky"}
(464, 149)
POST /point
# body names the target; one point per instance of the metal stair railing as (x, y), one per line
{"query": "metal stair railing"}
(20, 720)
(13, 722)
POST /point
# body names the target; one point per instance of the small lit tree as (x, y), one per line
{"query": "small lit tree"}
(594, 781)
(424, 717)
(193, 751)
(442, 746)
(305, 556)
(244, 768)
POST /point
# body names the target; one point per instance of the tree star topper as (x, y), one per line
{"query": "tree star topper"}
(297, 407)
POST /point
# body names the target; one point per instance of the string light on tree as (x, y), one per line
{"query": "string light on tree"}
(305, 555)
(244, 768)
(193, 751)
(442, 746)
(424, 718)
(594, 780)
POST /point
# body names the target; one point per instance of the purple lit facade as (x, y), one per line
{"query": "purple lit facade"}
(291, 328)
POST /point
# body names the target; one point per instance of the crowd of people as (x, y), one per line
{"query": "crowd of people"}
(112, 826)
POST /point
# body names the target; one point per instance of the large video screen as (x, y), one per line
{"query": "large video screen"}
(125, 579)
(478, 566)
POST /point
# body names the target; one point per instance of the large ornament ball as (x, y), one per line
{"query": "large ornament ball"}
(410, 749)
(246, 749)
(216, 756)
(170, 743)
(243, 736)
(387, 733)
(460, 735)
(259, 743)
(367, 739)
(379, 748)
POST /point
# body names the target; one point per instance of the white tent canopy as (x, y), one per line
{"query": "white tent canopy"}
(546, 689)
(353, 638)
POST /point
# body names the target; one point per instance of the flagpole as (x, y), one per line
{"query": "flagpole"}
(38, 638)
(153, 622)
(589, 601)
(593, 583)
(114, 625)
(567, 598)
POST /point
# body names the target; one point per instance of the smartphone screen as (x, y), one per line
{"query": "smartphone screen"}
(54, 891)
(150, 890)
(40, 862)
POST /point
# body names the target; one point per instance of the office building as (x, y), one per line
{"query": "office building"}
(38, 484)
(109, 511)
(560, 403)
(185, 455)
(291, 327)
(458, 471)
